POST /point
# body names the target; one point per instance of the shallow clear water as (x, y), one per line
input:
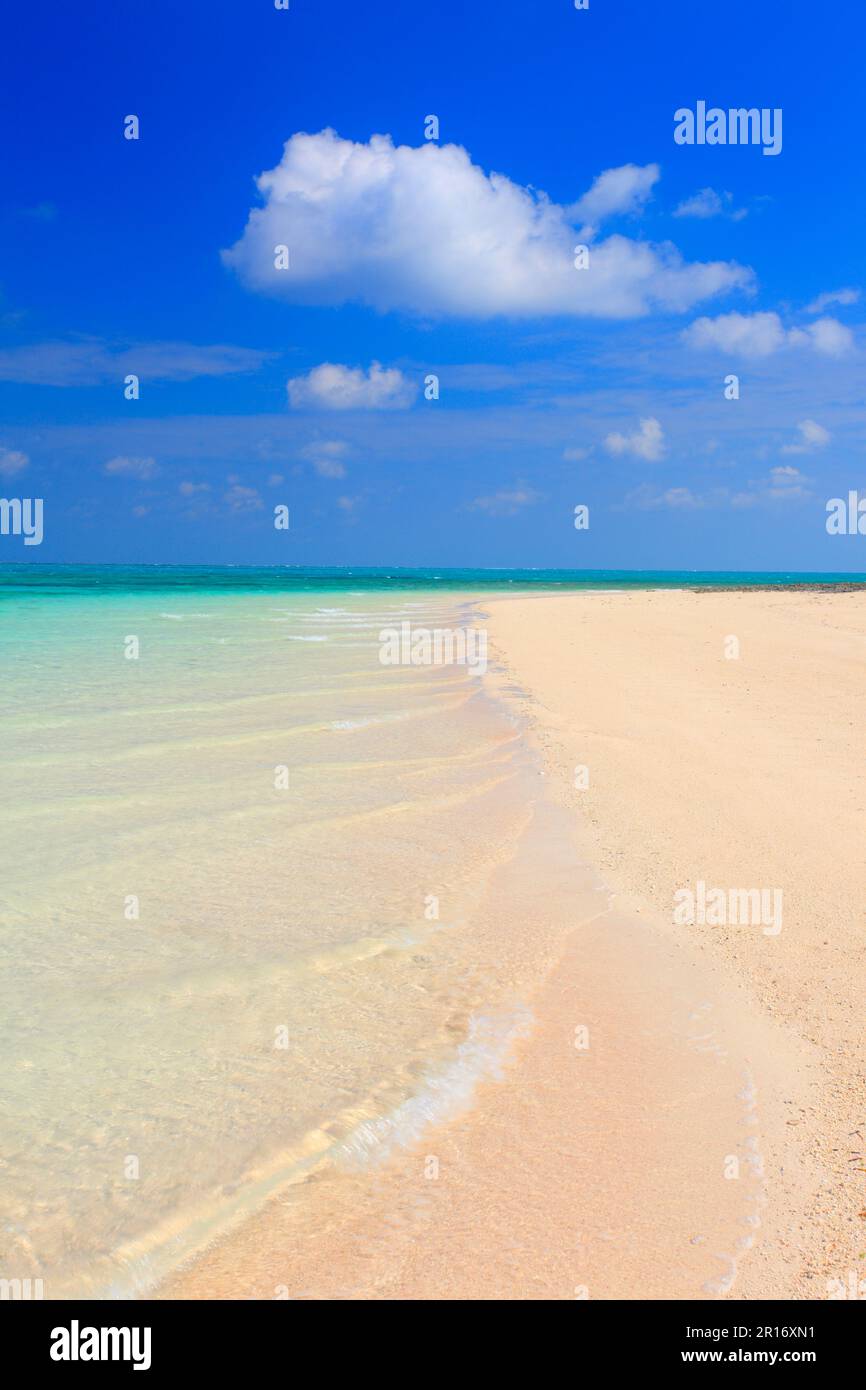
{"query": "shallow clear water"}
(210, 979)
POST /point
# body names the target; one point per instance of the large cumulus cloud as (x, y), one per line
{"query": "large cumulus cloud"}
(425, 230)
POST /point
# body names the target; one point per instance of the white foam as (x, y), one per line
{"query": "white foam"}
(480, 1057)
(182, 617)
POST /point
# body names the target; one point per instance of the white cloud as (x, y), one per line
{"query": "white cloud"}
(622, 190)
(506, 502)
(761, 334)
(12, 461)
(648, 498)
(124, 467)
(647, 442)
(753, 335)
(708, 203)
(326, 456)
(783, 484)
(786, 481)
(823, 301)
(812, 436)
(827, 336)
(426, 230)
(190, 489)
(575, 455)
(329, 468)
(243, 499)
(91, 361)
(334, 387)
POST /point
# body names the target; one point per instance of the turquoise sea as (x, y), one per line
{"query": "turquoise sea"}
(106, 578)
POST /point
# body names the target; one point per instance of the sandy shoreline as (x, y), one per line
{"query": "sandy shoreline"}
(738, 771)
(685, 1115)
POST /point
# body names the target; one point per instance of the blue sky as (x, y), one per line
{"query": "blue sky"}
(558, 386)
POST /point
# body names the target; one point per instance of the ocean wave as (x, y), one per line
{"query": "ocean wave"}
(481, 1057)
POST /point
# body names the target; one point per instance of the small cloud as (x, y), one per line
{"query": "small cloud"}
(190, 489)
(709, 203)
(827, 336)
(89, 361)
(275, 480)
(647, 442)
(753, 335)
(12, 462)
(335, 387)
(329, 468)
(243, 499)
(681, 497)
(812, 436)
(575, 455)
(648, 498)
(786, 478)
(762, 334)
(140, 511)
(616, 191)
(783, 484)
(823, 301)
(326, 456)
(506, 502)
(125, 467)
